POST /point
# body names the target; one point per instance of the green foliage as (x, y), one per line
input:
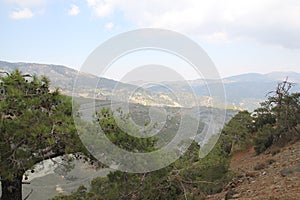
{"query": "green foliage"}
(187, 178)
(237, 133)
(264, 138)
(209, 174)
(275, 122)
(35, 124)
(287, 110)
(263, 116)
(113, 127)
(80, 194)
(277, 119)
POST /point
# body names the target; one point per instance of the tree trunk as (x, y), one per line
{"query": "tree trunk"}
(12, 189)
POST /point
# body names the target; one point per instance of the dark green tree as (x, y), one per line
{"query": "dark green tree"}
(237, 133)
(285, 106)
(278, 117)
(35, 124)
(263, 116)
(264, 138)
(117, 135)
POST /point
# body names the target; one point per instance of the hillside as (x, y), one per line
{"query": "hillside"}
(63, 77)
(90, 86)
(272, 175)
(244, 91)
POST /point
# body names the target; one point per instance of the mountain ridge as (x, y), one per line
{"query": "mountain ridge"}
(243, 91)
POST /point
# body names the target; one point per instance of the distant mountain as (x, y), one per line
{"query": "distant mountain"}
(246, 88)
(243, 91)
(63, 77)
(269, 77)
(249, 77)
(90, 86)
(279, 76)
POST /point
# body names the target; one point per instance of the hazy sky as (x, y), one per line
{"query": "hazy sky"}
(240, 36)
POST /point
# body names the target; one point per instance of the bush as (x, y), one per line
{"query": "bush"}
(264, 138)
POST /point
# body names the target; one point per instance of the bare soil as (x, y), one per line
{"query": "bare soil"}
(272, 175)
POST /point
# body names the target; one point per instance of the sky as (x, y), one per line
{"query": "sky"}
(246, 36)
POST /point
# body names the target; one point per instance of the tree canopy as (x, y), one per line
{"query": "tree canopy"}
(237, 133)
(189, 177)
(36, 124)
(278, 118)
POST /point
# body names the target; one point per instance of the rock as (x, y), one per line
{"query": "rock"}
(292, 178)
(229, 194)
(229, 186)
(252, 173)
(236, 196)
(259, 166)
(290, 170)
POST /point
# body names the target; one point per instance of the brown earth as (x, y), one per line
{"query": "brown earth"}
(272, 175)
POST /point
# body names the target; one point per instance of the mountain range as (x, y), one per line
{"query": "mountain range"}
(243, 91)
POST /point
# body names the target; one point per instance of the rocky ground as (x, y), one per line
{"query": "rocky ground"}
(272, 175)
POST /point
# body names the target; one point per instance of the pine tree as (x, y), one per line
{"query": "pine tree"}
(36, 124)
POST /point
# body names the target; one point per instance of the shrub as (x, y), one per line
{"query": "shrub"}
(264, 139)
